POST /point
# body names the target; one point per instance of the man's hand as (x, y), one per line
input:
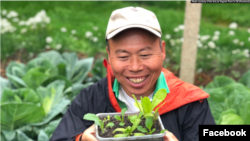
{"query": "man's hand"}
(89, 134)
(169, 137)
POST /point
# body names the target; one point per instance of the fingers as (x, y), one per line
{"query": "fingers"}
(89, 134)
(169, 137)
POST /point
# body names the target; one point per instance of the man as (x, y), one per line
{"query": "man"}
(134, 66)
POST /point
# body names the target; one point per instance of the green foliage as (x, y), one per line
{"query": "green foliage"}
(149, 123)
(229, 101)
(245, 79)
(129, 130)
(122, 115)
(146, 107)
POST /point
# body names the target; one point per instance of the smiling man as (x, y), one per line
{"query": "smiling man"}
(134, 66)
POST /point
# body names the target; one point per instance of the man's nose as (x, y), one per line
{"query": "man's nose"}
(135, 64)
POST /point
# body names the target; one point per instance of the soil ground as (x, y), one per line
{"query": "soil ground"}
(109, 131)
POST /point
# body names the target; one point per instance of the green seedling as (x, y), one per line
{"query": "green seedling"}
(108, 117)
(119, 118)
(149, 123)
(147, 108)
(100, 123)
(162, 131)
(129, 130)
(134, 117)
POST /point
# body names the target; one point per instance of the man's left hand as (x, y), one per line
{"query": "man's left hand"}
(169, 137)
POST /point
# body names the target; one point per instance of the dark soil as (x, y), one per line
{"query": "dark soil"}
(109, 131)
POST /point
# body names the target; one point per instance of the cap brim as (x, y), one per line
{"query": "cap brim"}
(112, 34)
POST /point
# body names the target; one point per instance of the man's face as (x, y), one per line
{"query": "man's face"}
(136, 60)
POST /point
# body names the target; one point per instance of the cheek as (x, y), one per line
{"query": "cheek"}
(154, 64)
(117, 67)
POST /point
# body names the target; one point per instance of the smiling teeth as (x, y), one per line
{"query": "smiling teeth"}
(134, 80)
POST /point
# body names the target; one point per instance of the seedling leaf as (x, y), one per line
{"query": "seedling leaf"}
(159, 96)
(117, 117)
(152, 130)
(119, 129)
(149, 122)
(140, 128)
(110, 124)
(135, 125)
(146, 105)
(121, 135)
(121, 123)
(162, 131)
(92, 117)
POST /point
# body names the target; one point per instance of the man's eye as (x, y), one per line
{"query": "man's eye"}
(147, 55)
(123, 57)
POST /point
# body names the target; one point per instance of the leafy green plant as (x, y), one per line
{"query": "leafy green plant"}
(149, 123)
(147, 108)
(135, 117)
(98, 121)
(122, 115)
(229, 101)
(129, 130)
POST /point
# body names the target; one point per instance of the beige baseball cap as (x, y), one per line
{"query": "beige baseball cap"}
(132, 17)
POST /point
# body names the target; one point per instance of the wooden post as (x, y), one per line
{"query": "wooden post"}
(189, 46)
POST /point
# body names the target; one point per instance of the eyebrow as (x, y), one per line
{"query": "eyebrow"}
(124, 51)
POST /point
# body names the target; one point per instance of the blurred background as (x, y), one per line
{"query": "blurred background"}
(51, 50)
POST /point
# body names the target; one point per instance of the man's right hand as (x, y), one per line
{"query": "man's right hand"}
(89, 134)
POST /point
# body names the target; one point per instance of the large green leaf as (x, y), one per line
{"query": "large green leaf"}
(9, 135)
(70, 59)
(22, 137)
(52, 56)
(16, 81)
(146, 105)
(5, 83)
(80, 70)
(16, 69)
(231, 118)
(220, 81)
(14, 115)
(245, 79)
(52, 100)
(35, 77)
(245, 112)
(42, 136)
(9, 96)
(49, 129)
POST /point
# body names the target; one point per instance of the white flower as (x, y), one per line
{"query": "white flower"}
(63, 29)
(231, 32)
(172, 42)
(12, 14)
(198, 36)
(208, 56)
(248, 30)
(75, 38)
(31, 21)
(181, 39)
(58, 46)
(204, 38)
(23, 43)
(49, 39)
(199, 70)
(47, 47)
(6, 26)
(211, 44)
(181, 27)
(246, 52)
(167, 36)
(95, 39)
(15, 19)
(242, 43)
(4, 12)
(199, 44)
(95, 28)
(217, 33)
(235, 41)
(88, 34)
(21, 23)
(249, 39)
(73, 31)
(233, 25)
(215, 38)
(236, 51)
(176, 29)
(23, 30)
(41, 17)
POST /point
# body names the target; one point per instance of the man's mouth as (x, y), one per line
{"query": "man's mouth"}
(137, 80)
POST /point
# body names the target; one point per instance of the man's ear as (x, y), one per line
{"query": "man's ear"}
(108, 54)
(163, 45)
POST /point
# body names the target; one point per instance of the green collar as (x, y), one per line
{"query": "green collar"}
(161, 84)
